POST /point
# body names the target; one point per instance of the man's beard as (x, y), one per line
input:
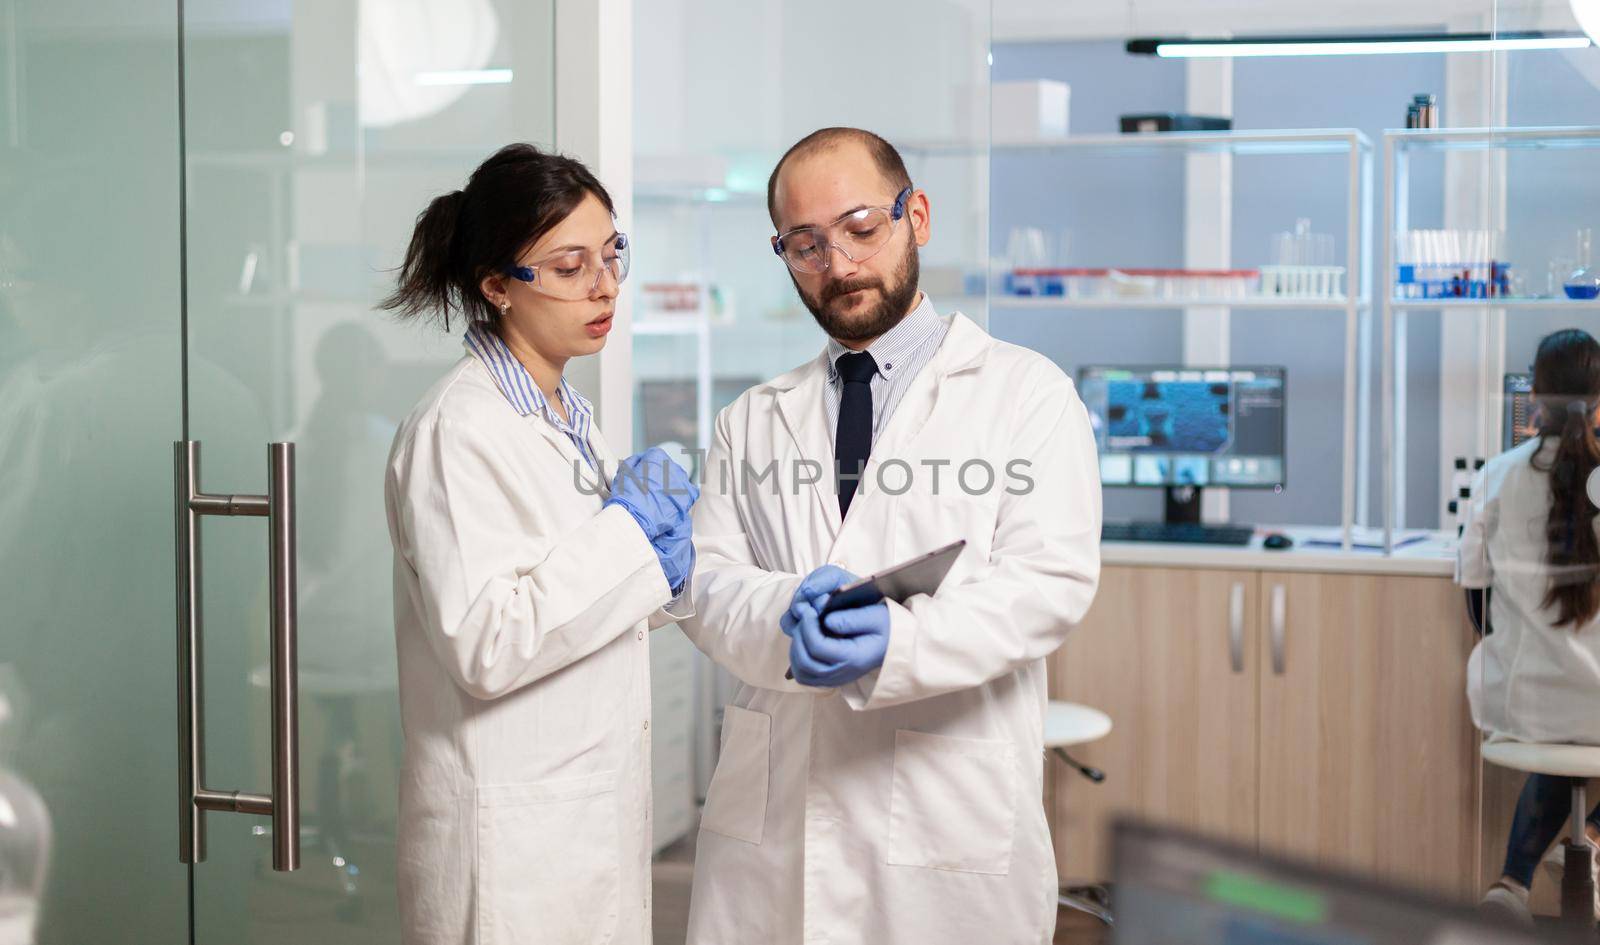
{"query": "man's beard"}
(894, 304)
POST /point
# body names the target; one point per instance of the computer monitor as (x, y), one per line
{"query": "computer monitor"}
(1175, 886)
(1517, 424)
(1171, 426)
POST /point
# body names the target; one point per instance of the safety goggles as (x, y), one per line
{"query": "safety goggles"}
(858, 235)
(576, 274)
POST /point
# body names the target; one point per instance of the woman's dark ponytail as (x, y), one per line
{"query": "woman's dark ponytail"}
(426, 283)
(1566, 380)
(517, 195)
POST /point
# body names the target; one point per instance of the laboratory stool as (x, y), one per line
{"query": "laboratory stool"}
(1571, 761)
(1067, 724)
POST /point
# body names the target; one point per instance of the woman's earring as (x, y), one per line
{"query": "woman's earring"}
(505, 307)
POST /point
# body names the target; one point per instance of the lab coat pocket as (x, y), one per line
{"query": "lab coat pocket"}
(547, 861)
(953, 804)
(736, 803)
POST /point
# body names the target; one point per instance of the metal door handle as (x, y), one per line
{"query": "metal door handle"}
(1280, 597)
(1236, 627)
(283, 804)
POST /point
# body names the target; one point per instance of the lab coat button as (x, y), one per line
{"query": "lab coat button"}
(641, 634)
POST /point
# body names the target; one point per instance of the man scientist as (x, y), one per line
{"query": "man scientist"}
(890, 792)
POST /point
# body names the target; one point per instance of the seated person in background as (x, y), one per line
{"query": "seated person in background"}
(1530, 538)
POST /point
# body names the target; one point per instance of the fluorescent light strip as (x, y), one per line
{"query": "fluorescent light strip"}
(1382, 47)
(464, 77)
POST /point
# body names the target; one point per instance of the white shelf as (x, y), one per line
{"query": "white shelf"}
(1257, 302)
(1261, 141)
(1266, 141)
(1491, 139)
(1289, 141)
(1399, 147)
(1478, 305)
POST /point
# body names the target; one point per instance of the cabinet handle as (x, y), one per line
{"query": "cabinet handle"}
(1236, 627)
(283, 804)
(1279, 606)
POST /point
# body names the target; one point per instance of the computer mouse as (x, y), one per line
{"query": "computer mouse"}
(1277, 541)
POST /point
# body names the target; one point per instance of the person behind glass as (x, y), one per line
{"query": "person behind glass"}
(524, 583)
(1530, 537)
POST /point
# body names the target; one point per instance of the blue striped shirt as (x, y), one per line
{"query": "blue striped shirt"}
(524, 394)
(901, 352)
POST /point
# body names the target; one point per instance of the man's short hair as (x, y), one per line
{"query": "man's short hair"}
(884, 155)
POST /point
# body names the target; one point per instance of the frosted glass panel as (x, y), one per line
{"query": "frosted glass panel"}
(317, 132)
(90, 402)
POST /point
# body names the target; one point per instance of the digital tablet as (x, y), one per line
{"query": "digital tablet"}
(921, 575)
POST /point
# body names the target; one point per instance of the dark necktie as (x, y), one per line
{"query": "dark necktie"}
(853, 442)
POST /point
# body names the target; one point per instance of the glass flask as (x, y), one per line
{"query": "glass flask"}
(1584, 282)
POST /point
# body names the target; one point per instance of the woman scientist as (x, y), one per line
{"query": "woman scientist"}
(523, 585)
(1530, 537)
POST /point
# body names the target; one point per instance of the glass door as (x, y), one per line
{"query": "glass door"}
(315, 133)
(199, 205)
(90, 403)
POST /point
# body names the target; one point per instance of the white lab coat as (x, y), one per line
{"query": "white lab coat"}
(1529, 680)
(905, 807)
(521, 609)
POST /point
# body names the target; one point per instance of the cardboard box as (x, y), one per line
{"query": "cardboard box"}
(1031, 110)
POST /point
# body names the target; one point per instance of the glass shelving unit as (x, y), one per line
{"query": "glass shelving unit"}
(1354, 303)
(1400, 146)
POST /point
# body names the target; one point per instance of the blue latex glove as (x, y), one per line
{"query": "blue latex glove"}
(841, 647)
(655, 491)
(675, 551)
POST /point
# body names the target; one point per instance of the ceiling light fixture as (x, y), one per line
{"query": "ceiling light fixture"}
(1358, 45)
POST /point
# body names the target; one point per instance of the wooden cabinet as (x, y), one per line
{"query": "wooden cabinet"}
(1169, 654)
(1368, 752)
(1321, 715)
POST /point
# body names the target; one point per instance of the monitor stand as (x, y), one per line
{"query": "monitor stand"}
(1183, 505)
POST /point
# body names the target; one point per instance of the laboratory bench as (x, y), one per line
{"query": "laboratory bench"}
(1308, 701)
(1421, 554)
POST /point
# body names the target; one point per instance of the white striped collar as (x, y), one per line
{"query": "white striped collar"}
(523, 393)
(892, 348)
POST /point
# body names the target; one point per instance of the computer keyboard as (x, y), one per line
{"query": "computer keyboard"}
(1191, 534)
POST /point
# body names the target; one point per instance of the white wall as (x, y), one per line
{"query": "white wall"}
(730, 75)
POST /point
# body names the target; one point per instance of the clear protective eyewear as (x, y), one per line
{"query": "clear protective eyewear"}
(859, 235)
(575, 274)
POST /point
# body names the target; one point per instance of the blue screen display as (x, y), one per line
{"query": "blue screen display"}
(1169, 426)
